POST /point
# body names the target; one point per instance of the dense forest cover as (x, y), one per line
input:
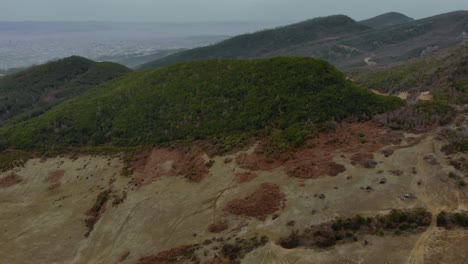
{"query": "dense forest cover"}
(224, 101)
(33, 91)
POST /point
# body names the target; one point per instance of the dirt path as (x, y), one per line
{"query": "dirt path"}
(429, 198)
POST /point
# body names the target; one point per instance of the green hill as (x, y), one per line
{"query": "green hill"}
(224, 101)
(32, 91)
(385, 20)
(446, 75)
(261, 44)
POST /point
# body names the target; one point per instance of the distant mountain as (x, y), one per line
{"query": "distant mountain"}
(339, 40)
(224, 101)
(32, 91)
(266, 43)
(385, 20)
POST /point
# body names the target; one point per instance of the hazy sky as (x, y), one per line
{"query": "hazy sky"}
(215, 10)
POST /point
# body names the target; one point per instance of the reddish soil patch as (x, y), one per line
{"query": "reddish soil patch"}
(55, 176)
(315, 158)
(335, 169)
(162, 162)
(218, 260)
(359, 158)
(245, 177)
(10, 180)
(54, 185)
(259, 161)
(266, 200)
(54, 179)
(183, 254)
(218, 227)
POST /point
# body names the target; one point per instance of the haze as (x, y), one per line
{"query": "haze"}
(214, 10)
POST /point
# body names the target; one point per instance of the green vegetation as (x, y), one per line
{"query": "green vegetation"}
(350, 229)
(450, 220)
(10, 158)
(31, 92)
(264, 43)
(224, 101)
(445, 76)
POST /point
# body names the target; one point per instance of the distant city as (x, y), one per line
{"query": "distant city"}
(23, 44)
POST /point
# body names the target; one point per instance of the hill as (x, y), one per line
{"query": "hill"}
(387, 19)
(261, 44)
(32, 91)
(224, 101)
(444, 74)
(340, 40)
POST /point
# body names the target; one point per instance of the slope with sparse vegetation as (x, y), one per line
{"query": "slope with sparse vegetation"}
(445, 75)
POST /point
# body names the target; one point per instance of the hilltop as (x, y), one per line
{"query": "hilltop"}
(387, 19)
(31, 92)
(340, 40)
(224, 101)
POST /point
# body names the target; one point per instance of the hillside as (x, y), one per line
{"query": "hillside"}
(339, 40)
(33, 91)
(385, 20)
(260, 44)
(224, 101)
(445, 74)
(135, 60)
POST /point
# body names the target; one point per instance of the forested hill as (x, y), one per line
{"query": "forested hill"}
(387, 19)
(224, 101)
(30, 92)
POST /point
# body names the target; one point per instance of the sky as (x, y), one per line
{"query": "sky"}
(214, 10)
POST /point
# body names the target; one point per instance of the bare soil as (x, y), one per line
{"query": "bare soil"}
(265, 201)
(10, 180)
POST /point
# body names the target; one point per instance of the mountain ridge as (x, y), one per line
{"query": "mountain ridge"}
(270, 39)
(349, 46)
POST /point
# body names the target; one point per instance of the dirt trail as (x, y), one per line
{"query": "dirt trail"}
(429, 197)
